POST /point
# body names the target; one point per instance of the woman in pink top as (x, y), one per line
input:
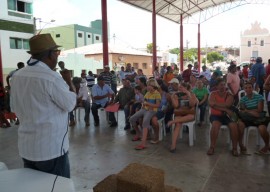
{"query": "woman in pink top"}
(220, 102)
(233, 82)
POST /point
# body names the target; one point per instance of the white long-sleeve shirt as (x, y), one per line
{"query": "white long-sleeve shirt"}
(41, 99)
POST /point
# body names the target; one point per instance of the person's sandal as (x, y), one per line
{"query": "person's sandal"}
(154, 141)
(211, 151)
(263, 151)
(173, 150)
(136, 138)
(235, 153)
(140, 147)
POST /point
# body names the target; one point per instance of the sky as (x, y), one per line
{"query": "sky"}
(132, 27)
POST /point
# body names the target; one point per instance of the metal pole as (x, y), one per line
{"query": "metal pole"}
(199, 48)
(104, 32)
(181, 44)
(35, 26)
(1, 65)
(154, 36)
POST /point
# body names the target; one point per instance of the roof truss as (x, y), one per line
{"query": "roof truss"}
(193, 11)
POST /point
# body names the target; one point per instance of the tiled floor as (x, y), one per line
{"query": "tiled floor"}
(96, 152)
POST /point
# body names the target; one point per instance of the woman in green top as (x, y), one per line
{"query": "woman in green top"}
(202, 95)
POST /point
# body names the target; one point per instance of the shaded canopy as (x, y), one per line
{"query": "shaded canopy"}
(196, 11)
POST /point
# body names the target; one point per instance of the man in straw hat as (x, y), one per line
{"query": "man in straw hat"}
(42, 100)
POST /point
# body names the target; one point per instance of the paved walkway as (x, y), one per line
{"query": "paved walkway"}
(96, 152)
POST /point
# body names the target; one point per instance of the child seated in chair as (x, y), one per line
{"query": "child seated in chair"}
(136, 104)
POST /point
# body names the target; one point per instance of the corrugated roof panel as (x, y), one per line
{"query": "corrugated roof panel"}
(171, 9)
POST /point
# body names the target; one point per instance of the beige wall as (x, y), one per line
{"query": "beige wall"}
(137, 61)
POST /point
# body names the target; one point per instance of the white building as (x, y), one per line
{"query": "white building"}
(16, 27)
(255, 42)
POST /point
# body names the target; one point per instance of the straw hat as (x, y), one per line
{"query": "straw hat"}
(40, 43)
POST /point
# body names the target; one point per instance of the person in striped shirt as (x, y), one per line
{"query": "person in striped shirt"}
(253, 104)
(195, 70)
(90, 78)
(107, 76)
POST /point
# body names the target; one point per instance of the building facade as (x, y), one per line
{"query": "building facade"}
(255, 42)
(73, 36)
(90, 58)
(16, 28)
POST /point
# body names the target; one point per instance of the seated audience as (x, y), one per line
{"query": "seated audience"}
(267, 94)
(213, 82)
(124, 96)
(251, 108)
(192, 81)
(165, 98)
(184, 103)
(202, 95)
(220, 102)
(139, 75)
(150, 106)
(83, 100)
(254, 84)
(136, 104)
(168, 75)
(102, 95)
(156, 73)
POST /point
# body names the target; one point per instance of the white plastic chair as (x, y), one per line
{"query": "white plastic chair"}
(79, 112)
(162, 130)
(250, 128)
(3, 166)
(246, 135)
(222, 127)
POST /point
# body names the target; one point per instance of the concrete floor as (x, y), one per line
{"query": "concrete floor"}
(96, 152)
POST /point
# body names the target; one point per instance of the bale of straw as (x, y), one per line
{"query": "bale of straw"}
(140, 178)
(107, 185)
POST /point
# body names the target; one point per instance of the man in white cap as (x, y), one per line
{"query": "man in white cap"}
(42, 99)
(174, 85)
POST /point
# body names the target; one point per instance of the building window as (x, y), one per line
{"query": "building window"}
(249, 43)
(80, 35)
(18, 43)
(57, 35)
(20, 6)
(89, 36)
(144, 65)
(97, 38)
(262, 42)
(136, 65)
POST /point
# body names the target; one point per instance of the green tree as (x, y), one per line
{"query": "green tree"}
(191, 54)
(149, 48)
(214, 56)
(174, 51)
